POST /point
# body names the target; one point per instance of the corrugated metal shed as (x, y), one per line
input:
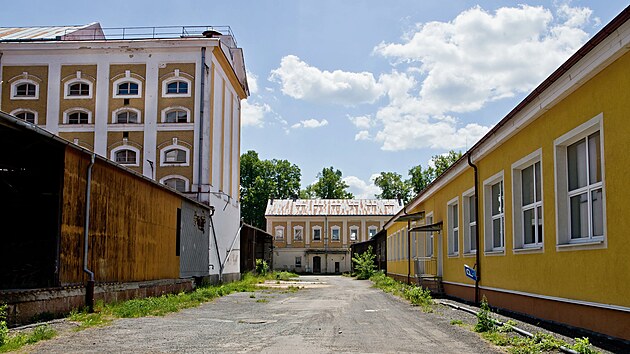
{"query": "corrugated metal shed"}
(314, 207)
(41, 33)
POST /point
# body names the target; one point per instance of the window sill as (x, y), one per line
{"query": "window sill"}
(596, 243)
(470, 254)
(536, 249)
(453, 255)
(495, 253)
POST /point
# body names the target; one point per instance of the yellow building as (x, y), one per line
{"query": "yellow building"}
(163, 102)
(315, 235)
(538, 207)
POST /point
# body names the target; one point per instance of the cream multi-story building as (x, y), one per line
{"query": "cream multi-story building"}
(315, 235)
(164, 102)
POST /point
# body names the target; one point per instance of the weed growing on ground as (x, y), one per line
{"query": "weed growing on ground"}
(262, 300)
(285, 276)
(457, 322)
(262, 268)
(4, 330)
(485, 323)
(415, 294)
(364, 264)
(252, 296)
(15, 342)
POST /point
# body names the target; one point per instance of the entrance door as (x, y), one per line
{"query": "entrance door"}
(317, 264)
(336, 267)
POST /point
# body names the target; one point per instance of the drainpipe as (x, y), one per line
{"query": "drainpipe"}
(216, 244)
(408, 252)
(89, 290)
(200, 118)
(477, 253)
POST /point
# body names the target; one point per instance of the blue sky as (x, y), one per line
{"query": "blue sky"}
(366, 86)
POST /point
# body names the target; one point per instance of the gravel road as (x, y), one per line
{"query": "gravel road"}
(332, 314)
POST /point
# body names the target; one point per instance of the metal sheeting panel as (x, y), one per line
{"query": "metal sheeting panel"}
(194, 241)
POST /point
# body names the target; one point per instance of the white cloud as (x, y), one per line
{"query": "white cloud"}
(310, 124)
(362, 189)
(362, 122)
(362, 135)
(302, 81)
(252, 82)
(253, 114)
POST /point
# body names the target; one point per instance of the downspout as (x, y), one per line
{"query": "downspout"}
(238, 232)
(89, 290)
(201, 111)
(216, 244)
(477, 253)
(408, 252)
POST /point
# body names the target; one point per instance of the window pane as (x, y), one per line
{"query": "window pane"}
(598, 212)
(527, 185)
(538, 181)
(172, 87)
(576, 155)
(472, 208)
(579, 216)
(529, 226)
(133, 89)
(473, 237)
(455, 241)
(497, 198)
(540, 223)
(594, 159)
(496, 233)
(455, 216)
(317, 234)
(176, 183)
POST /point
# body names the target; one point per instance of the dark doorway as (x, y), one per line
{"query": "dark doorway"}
(317, 264)
(336, 267)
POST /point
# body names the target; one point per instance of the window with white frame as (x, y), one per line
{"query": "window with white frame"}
(527, 202)
(494, 230)
(354, 233)
(453, 227)
(279, 233)
(128, 89)
(179, 184)
(175, 156)
(126, 157)
(26, 115)
(372, 230)
(25, 89)
(298, 233)
(298, 262)
(429, 237)
(175, 115)
(177, 87)
(77, 116)
(470, 221)
(335, 232)
(317, 233)
(580, 184)
(79, 89)
(127, 116)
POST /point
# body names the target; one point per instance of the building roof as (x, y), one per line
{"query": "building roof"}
(332, 207)
(49, 33)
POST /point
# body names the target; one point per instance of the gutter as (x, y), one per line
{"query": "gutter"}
(477, 253)
(89, 289)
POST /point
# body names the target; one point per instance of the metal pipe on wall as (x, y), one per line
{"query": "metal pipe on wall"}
(89, 290)
(477, 257)
(201, 111)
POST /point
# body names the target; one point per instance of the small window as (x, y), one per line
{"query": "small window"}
(371, 231)
(175, 156)
(336, 231)
(297, 233)
(494, 214)
(176, 116)
(78, 118)
(176, 183)
(279, 233)
(298, 262)
(354, 234)
(26, 90)
(317, 234)
(126, 157)
(27, 116)
(453, 228)
(527, 202)
(470, 222)
(177, 87)
(127, 117)
(79, 89)
(128, 89)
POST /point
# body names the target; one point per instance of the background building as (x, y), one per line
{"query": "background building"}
(164, 102)
(314, 235)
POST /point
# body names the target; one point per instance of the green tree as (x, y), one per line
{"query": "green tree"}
(419, 178)
(392, 186)
(262, 180)
(329, 185)
(443, 162)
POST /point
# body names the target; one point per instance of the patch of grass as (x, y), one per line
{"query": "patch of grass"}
(415, 294)
(285, 276)
(252, 296)
(262, 300)
(17, 341)
(457, 322)
(86, 320)
(292, 289)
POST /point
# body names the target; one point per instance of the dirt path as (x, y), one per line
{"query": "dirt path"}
(340, 315)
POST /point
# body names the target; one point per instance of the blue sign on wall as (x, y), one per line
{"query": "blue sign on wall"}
(470, 272)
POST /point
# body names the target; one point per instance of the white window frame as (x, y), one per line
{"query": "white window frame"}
(467, 224)
(122, 80)
(313, 233)
(370, 229)
(357, 237)
(19, 82)
(186, 180)
(78, 80)
(15, 112)
(518, 209)
(172, 108)
(298, 264)
(171, 147)
(126, 109)
(295, 232)
(279, 236)
(332, 233)
(174, 79)
(453, 230)
(69, 111)
(489, 247)
(428, 239)
(112, 154)
(563, 223)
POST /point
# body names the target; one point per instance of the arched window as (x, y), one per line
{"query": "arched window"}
(127, 117)
(178, 184)
(27, 116)
(176, 116)
(78, 117)
(175, 156)
(26, 89)
(177, 87)
(126, 157)
(80, 88)
(127, 88)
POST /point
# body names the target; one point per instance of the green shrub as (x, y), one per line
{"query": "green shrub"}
(583, 346)
(4, 330)
(364, 264)
(484, 320)
(262, 268)
(418, 296)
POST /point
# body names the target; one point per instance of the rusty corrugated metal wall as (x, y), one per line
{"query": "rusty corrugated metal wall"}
(133, 225)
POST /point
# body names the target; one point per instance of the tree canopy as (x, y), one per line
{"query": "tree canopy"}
(392, 186)
(329, 185)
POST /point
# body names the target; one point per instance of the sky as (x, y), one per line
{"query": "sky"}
(366, 86)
